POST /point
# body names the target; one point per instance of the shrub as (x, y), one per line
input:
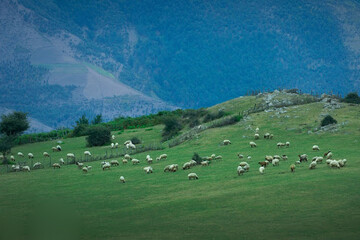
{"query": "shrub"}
(196, 157)
(328, 120)
(212, 116)
(352, 98)
(135, 140)
(80, 130)
(98, 136)
(172, 127)
(226, 121)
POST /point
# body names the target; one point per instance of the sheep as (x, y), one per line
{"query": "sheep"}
(213, 156)
(192, 163)
(37, 165)
(280, 144)
(88, 167)
(148, 169)
(328, 161)
(113, 137)
(130, 145)
(193, 176)
(267, 135)
(135, 161)
(292, 168)
(205, 163)
(173, 167)
(56, 165)
(1, 156)
(312, 165)
(287, 144)
(276, 157)
(12, 158)
(167, 168)
(328, 154)
(87, 153)
(85, 169)
(242, 164)
(263, 164)
(163, 156)
(303, 158)
(61, 161)
(30, 155)
(25, 168)
(252, 144)
(249, 158)
(58, 147)
(45, 154)
(127, 142)
(246, 167)
(15, 168)
(269, 158)
(315, 148)
(318, 159)
(70, 155)
(297, 162)
(186, 165)
(114, 163)
(80, 165)
(334, 163)
(149, 159)
(257, 130)
(116, 145)
(275, 162)
(122, 179)
(271, 136)
(342, 162)
(218, 157)
(124, 161)
(112, 145)
(207, 158)
(256, 136)
(226, 142)
(106, 166)
(127, 157)
(55, 149)
(20, 154)
(284, 157)
(240, 170)
(262, 170)
(240, 155)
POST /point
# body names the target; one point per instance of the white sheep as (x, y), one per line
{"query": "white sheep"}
(318, 159)
(316, 148)
(122, 179)
(80, 165)
(130, 145)
(87, 153)
(113, 137)
(276, 157)
(56, 165)
(149, 161)
(240, 170)
(45, 154)
(163, 156)
(106, 166)
(328, 161)
(218, 157)
(88, 167)
(242, 164)
(116, 145)
(262, 170)
(55, 149)
(112, 145)
(85, 169)
(12, 158)
(186, 165)
(192, 162)
(114, 163)
(25, 168)
(246, 167)
(257, 130)
(275, 162)
(173, 167)
(15, 167)
(37, 165)
(280, 144)
(124, 161)
(312, 165)
(167, 168)
(30, 155)
(135, 161)
(20, 154)
(269, 158)
(127, 142)
(256, 136)
(193, 176)
(226, 142)
(298, 162)
(240, 156)
(287, 144)
(284, 157)
(252, 144)
(249, 158)
(328, 155)
(205, 163)
(213, 156)
(148, 169)
(70, 155)
(61, 161)
(267, 135)
(334, 163)
(127, 157)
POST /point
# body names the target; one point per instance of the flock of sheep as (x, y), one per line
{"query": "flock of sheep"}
(242, 168)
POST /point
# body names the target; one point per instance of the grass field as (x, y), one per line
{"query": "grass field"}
(322, 203)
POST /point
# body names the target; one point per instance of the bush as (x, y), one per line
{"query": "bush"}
(80, 130)
(328, 120)
(98, 136)
(172, 127)
(135, 140)
(226, 121)
(196, 157)
(212, 116)
(352, 98)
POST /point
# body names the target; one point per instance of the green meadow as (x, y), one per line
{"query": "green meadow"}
(322, 203)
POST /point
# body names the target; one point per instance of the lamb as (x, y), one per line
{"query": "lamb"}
(127, 142)
(25, 168)
(267, 135)
(284, 157)
(30, 155)
(113, 137)
(257, 130)
(246, 167)
(280, 144)
(287, 144)
(122, 179)
(334, 163)
(243, 164)
(205, 163)
(15, 167)
(218, 157)
(316, 148)
(12, 158)
(20, 154)
(148, 169)
(303, 158)
(193, 176)
(328, 154)
(127, 157)
(249, 158)
(130, 145)
(318, 159)
(80, 165)
(45, 154)
(116, 145)
(192, 162)
(85, 169)
(297, 162)
(262, 170)
(173, 167)
(240, 155)
(312, 165)
(276, 157)
(275, 162)
(252, 144)
(226, 142)
(112, 145)
(292, 168)
(271, 136)
(61, 161)
(70, 155)
(87, 153)
(269, 158)
(186, 165)
(240, 170)
(256, 136)
(342, 162)
(55, 149)
(263, 164)
(163, 156)
(56, 165)
(37, 165)
(106, 166)
(150, 160)
(167, 168)
(135, 161)
(124, 161)
(114, 163)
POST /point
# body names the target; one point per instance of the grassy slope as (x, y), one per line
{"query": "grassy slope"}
(317, 204)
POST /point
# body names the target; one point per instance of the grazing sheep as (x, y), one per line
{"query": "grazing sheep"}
(88, 167)
(334, 163)
(167, 168)
(207, 158)
(37, 165)
(193, 176)
(263, 164)
(58, 147)
(45, 154)
(12, 158)
(127, 142)
(240, 170)
(127, 157)
(205, 163)
(342, 162)
(213, 156)
(61, 161)
(56, 165)
(252, 144)
(280, 144)
(186, 165)
(122, 179)
(80, 165)
(130, 145)
(318, 159)
(55, 149)
(275, 162)
(30, 155)
(257, 130)
(116, 145)
(328, 161)
(112, 145)
(173, 167)
(148, 169)
(284, 157)
(124, 161)
(316, 148)
(70, 155)
(269, 158)
(303, 158)
(243, 164)
(256, 136)
(226, 142)
(87, 153)
(271, 136)
(240, 156)
(262, 170)
(85, 169)
(192, 163)
(25, 168)
(113, 137)
(276, 157)
(218, 157)
(114, 163)
(135, 161)
(328, 155)
(292, 168)
(149, 160)
(267, 135)
(15, 168)
(297, 162)
(312, 165)
(249, 158)
(1, 156)
(20, 154)
(106, 166)
(163, 156)
(287, 144)
(246, 167)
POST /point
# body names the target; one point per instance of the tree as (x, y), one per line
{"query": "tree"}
(328, 120)
(97, 119)
(82, 121)
(6, 143)
(98, 136)
(172, 127)
(352, 98)
(14, 123)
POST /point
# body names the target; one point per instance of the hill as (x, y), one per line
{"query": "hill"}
(221, 205)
